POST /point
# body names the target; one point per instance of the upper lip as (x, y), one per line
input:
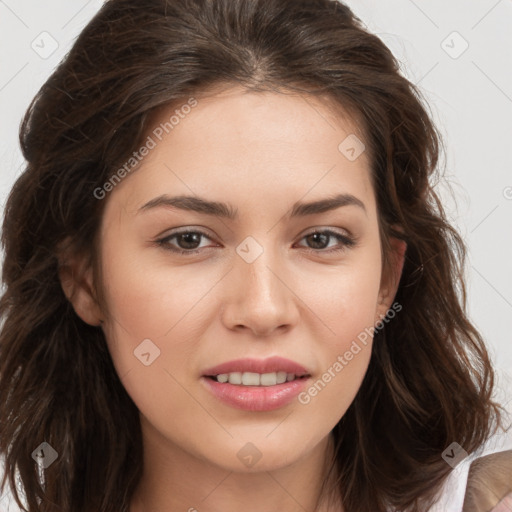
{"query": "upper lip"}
(270, 365)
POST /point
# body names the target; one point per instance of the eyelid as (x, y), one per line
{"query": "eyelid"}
(327, 229)
(185, 229)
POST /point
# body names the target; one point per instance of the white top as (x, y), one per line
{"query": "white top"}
(454, 488)
(451, 496)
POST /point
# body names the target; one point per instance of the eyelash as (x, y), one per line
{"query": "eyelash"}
(347, 242)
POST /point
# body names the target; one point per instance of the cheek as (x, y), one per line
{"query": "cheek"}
(149, 299)
(152, 335)
(342, 298)
(344, 362)
(346, 304)
(327, 398)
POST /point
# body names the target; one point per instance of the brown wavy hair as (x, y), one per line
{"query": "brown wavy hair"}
(430, 379)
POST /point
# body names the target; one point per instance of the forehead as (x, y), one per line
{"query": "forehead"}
(251, 146)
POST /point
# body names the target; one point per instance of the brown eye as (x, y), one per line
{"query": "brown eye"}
(186, 242)
(318, 241)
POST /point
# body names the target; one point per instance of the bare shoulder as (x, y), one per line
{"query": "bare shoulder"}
(489, 482)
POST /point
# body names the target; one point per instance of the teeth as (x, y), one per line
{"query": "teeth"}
(249, 379)
(268, 379)
(235, 378)
(256, 379)
(281, 377)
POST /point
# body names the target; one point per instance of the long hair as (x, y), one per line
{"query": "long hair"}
(429, 382)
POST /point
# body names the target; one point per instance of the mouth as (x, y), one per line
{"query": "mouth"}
(256, 384)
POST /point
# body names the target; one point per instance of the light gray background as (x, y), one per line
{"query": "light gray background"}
(470, 93)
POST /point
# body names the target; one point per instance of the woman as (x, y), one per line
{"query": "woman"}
(313, 353)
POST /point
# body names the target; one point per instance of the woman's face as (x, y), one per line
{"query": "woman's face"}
(252, 285)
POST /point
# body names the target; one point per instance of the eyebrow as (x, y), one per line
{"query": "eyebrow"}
(223, 210)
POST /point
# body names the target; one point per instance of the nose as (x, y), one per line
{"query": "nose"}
(259, 296)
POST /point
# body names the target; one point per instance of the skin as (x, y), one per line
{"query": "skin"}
(260, 153)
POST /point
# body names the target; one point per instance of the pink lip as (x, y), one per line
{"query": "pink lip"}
(256, 398)
(270, 365)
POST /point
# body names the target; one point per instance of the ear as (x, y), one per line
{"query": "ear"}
(76, 278)
(391, 277)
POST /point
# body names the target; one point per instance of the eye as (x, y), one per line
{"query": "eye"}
(187, 241)
(320, 239)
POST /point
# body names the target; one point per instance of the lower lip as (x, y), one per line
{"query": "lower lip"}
(256, 398)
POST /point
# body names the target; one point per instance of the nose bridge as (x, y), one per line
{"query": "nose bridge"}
(261, 300)
(257, 260)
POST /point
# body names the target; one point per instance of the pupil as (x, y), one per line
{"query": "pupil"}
(315, 237)
(187, 237)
